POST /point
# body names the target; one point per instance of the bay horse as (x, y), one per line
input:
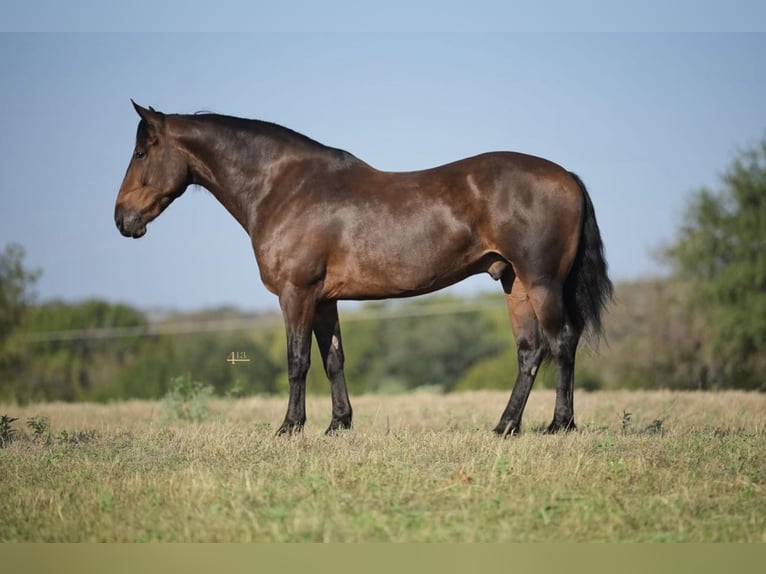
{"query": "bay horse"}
(326, 226)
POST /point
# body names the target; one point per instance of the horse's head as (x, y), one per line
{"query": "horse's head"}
(157, 174)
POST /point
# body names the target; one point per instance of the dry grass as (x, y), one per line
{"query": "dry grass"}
(680, 467)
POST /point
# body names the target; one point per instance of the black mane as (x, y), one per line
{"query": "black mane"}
(270, 130)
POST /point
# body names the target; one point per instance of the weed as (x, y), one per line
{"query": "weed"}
(655, 428)
(626, 416)
(66, 437)
(41, 426)
(7, 432)
(187, 400)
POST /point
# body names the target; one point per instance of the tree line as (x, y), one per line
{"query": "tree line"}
(703, 326)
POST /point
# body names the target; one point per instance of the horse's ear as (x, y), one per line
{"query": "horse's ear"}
(151, 116)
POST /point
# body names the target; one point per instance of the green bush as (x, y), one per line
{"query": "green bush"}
(187, 400)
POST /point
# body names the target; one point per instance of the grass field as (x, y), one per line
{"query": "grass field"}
(657, 466)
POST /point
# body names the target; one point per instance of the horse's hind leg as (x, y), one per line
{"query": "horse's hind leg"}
(327, 331)
(548, 303)
(563, 349)
(530, 348)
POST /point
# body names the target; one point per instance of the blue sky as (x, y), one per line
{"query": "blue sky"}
(643, 118)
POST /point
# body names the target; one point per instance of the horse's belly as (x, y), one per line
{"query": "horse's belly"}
(400, 249)
(397, 272)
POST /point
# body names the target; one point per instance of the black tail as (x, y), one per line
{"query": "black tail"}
(588, 288)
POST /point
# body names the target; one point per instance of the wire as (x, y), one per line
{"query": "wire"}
(248, 323)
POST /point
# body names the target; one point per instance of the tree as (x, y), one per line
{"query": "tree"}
(81, 368)
(128, 366)
(720, 252)
(15, 283)
(15, 299)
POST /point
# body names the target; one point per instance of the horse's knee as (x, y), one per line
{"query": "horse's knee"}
(334, 358)
(530, 352)
(564, 345)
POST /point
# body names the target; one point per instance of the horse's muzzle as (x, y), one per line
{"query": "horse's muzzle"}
(129, 222)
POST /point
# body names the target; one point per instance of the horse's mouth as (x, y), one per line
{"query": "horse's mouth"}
(136, 233)
(130, 224)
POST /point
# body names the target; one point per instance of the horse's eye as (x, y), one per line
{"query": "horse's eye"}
(140, 154)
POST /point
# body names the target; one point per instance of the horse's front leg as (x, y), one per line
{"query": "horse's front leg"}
(298, 307)
(327, 331)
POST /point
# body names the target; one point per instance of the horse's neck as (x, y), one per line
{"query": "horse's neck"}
(237, 170)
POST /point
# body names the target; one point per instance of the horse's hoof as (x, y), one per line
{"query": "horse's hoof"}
(507, 429)
(336, 425)
(555, 427)
(289, 429)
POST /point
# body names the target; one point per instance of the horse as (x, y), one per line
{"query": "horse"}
(326, 226)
